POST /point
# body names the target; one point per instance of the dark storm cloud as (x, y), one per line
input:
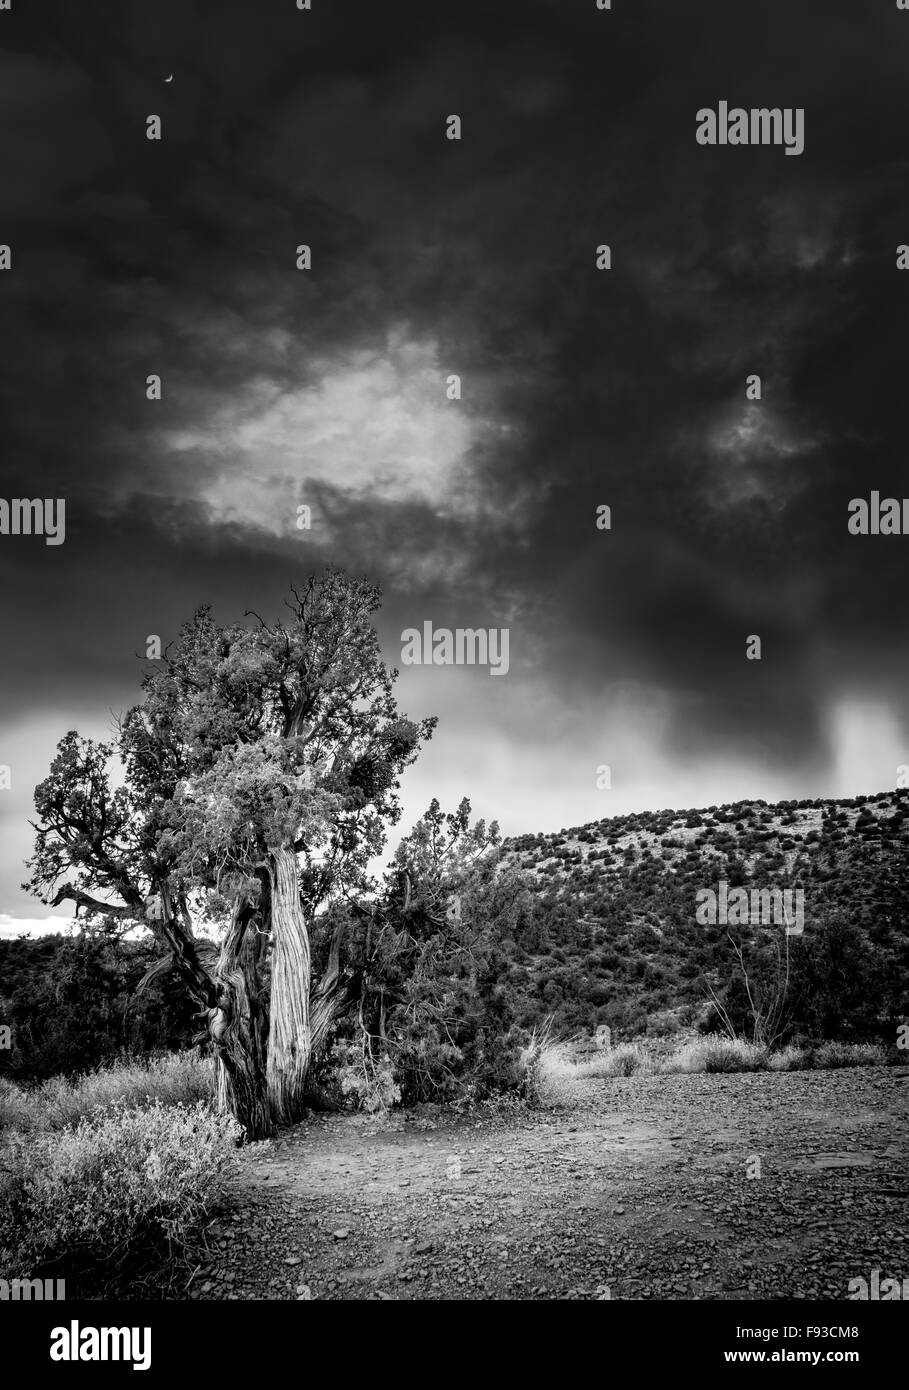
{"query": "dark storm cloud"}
(432, 257)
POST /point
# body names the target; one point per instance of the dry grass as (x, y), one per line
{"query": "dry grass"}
(791, 1058)
(559, 1079)
(119, 1177)
(625, 1059)
(101, 1169)
(715, 1053)
(837, 1054)
(173, 1078)
(554, 1075)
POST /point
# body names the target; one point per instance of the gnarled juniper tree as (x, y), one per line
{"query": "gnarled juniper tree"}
(259, 774)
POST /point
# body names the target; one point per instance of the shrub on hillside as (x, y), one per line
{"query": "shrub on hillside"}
(74, 1002)
(837, 983)
(663, 1024)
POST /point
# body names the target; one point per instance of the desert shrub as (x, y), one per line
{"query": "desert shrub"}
(538, 1055)
(594, 1065)
(178, 1077)
(437, 997)
(117, 1179)
(364, 1083)
(558, 1078)
(715, 1053)
(625, 1059)
(15, 1112)
(838, 985)
(789, 1058)
(552, 1076)
(843, 1054)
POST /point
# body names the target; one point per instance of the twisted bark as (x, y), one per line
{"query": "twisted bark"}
(237, 1028)
(331, 997)
(228, 998)
(289, 1036)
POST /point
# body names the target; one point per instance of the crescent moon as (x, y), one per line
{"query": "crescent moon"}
(169, 79)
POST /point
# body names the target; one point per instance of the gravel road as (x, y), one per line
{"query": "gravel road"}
(640, 1190)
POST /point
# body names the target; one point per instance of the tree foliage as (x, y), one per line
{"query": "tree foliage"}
(435, 999)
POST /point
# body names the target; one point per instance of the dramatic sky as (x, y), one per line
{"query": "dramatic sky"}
(579, 387)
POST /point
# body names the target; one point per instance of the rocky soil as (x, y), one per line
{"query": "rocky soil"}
(639, 1190)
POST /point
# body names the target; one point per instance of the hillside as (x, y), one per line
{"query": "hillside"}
(614, 938)
(604, 933)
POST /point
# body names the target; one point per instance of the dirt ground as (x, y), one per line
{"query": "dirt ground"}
(641, 1190)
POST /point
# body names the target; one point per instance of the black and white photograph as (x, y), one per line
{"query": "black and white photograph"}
(454, 711)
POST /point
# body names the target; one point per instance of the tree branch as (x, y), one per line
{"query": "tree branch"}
(82, 899)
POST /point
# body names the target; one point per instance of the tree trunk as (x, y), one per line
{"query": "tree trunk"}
(289, 1038)
(325, 1010)
(237, 1027)
(331, 997)
(228, 1000)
